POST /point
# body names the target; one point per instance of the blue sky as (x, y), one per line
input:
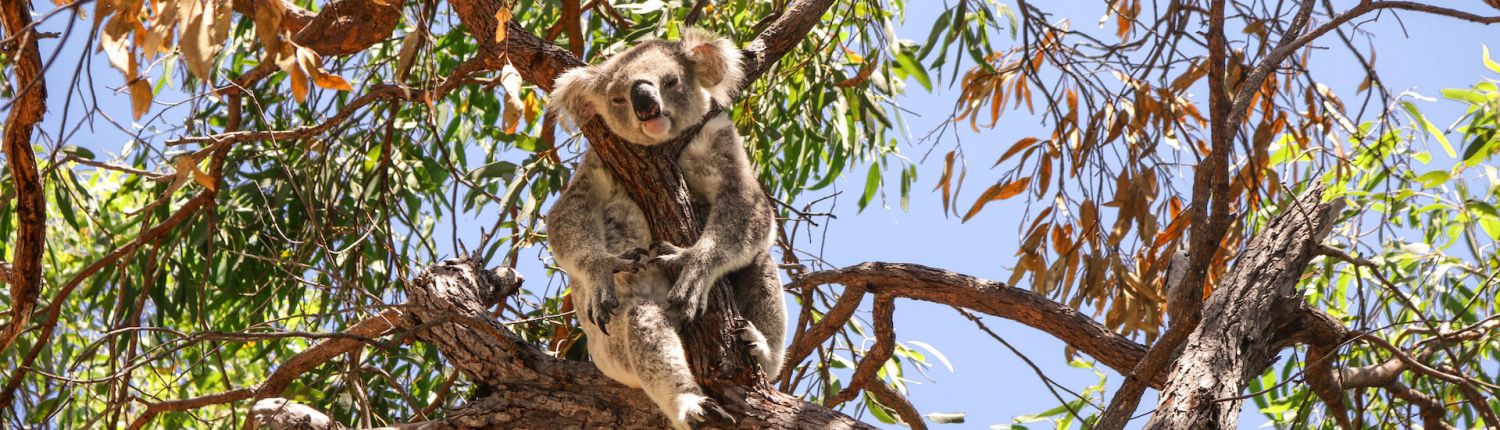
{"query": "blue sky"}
(989, 383)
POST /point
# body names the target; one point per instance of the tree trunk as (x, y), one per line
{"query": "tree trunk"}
(1237, 337)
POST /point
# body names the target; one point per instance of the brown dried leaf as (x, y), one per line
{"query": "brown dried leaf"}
(196, 40)
(502, 17)
(299, 84)
(1044, 176)
(945, 182)
(203, 179)
(268, 16)
(113, 41)
(1173, 231)
(998, 192)
(1025, 142)
(140, 98)
(158, 37)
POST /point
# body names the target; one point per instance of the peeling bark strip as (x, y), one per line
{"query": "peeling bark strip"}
(537, 391)
(31, 212)
(1237, 336)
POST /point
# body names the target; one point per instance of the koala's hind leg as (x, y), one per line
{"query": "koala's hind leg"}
(660, 363)
(758, 294)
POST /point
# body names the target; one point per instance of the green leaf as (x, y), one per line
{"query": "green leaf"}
(880, 412)
(934, 351)
(1477, 147)
(1422, 120)
(1482, 208)
(1467, 96)
(914, 69)
(1489, 63)
(499, 169)
(932, 37)
(1434, 178)
(872, 184)
(77, 151)
(948, 417)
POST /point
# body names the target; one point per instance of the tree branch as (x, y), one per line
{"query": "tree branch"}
(924, 283)
(26, 110)
(1237, 337)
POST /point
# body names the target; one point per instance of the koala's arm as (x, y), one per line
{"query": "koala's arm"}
(740, 218)
(575, 231)
(573, 228)
(740, 222)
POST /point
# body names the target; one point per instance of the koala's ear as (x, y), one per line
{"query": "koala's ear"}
(570, 95)
(715, 61)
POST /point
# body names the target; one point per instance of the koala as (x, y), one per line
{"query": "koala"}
(629, 307)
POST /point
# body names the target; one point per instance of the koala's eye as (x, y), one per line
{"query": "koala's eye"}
(670, 82)
(617, 100)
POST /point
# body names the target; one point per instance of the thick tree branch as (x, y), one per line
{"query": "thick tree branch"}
(994, 298)
(875, 358)
(555, 393)
(1236, 339)
(26, 112)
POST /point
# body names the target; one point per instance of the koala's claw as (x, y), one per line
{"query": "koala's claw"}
(712, 414)
(602, 312)
(603, 306)
(630, 261)
(665, 253)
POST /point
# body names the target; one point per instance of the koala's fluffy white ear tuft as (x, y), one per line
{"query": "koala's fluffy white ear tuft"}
(570, 96)
(716, 62)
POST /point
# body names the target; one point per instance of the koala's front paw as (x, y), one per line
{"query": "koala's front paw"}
(666, 254)
(602, 303)
(629, 261)
(690, 293)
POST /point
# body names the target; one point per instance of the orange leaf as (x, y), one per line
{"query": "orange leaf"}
(330, 81)
(1017, 147)
(299, 84)
(140, 97)
(864, 71)
(502, 17)
(998, 192)
(1173, 231)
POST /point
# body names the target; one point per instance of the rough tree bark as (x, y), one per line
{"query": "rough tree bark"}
(1237, 336)
(26, 111)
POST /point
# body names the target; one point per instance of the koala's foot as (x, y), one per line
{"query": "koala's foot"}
(697, 412)
(759, 347)
(689, 294)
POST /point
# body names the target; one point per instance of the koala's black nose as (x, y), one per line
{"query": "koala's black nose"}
(645, 101)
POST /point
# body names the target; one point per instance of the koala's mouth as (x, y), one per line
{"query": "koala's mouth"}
(657, 127)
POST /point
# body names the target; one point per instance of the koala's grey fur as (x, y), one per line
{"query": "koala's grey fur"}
(628, 306)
